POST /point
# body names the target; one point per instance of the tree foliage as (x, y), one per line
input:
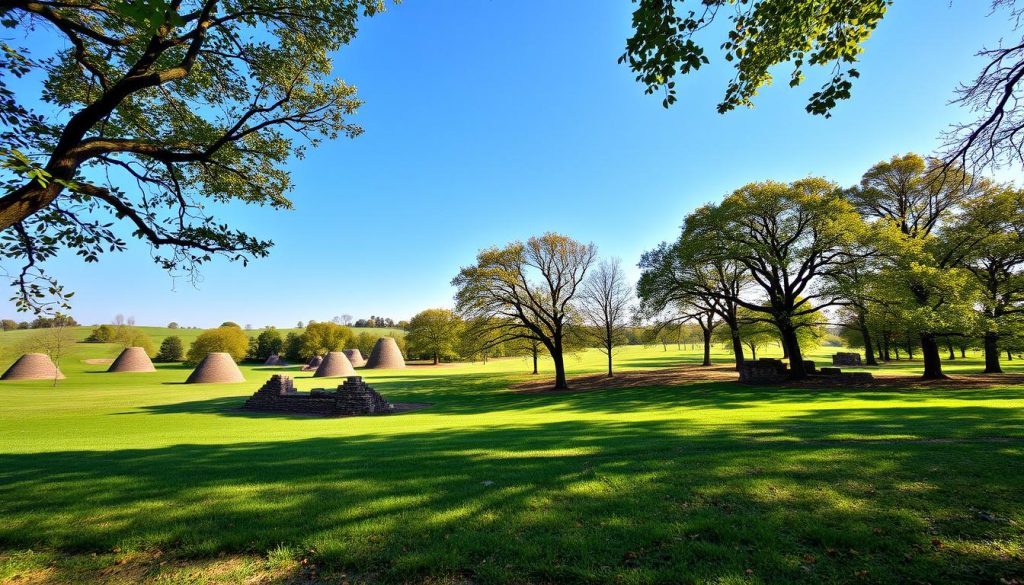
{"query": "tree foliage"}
(148, 113)
(171, 349)
(434, 332)
(222, 339)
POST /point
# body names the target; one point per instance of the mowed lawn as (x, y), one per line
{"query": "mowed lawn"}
(134, 477)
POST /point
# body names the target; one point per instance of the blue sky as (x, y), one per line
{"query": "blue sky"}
(488, 121)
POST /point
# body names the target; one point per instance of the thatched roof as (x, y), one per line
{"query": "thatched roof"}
(355, 357)
(132, 359)
(386, 355)
(33, 366)
(216, 368)
(335, 363)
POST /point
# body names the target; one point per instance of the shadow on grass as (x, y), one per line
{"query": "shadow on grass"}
(569, 501)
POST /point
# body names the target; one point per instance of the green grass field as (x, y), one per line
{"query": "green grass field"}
(136, 477)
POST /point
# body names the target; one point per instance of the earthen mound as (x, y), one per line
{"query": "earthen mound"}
(275, 360)
(386, 355)
(33, 366)
(313, 364)
(216, 368)
(355, 357)
(335, 364)
(132, 359)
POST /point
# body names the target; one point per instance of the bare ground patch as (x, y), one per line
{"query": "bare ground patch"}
(689, 374)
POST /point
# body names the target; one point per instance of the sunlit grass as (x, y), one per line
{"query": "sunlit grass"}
(708, 482)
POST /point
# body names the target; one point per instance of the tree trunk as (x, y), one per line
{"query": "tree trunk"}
(707, 347)
(910, 348)
(952, 351)
(791, 346)
(992, 353)
(556, 356)
(535, 360)
(753, 353)
(932, 361)
(885, 348)
(609, 350)
(435, 358)
(963, 352)
(737, 346)
(869, 352)
(785, 349)
(1009, 356)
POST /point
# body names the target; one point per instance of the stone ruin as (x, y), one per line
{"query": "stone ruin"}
(846, 358)
(773, 371)
(353, 398)
(763, 371)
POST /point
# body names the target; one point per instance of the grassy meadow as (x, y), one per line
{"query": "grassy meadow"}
(136, 477)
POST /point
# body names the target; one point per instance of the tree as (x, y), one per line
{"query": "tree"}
(787, 237)
(908, 199)
(8, 324)
(226, 339)
(268, 343)
(604, 305)
(101, 334)
(762, 34)
(689, 274)
(231, 324)
(830, 34)
(996, 264)
(321, 338)
(172, 325)
(171, 349)
(152, 108)
(434, 332)
(532, 284)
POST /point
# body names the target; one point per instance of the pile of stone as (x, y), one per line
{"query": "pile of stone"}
(33, 366)
(763, 371)
(353, 398)
(846, 358)
(132, 359)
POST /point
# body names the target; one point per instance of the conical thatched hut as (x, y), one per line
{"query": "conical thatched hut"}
(313, 364)
(216, 368)
(275, 360)
(355, 357)
(335, 364)
(386, 355)
(33, 366)
(132, 359)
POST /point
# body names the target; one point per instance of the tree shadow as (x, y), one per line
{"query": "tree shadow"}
(570, 500)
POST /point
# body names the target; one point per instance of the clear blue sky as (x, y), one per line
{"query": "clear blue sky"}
(493, 120)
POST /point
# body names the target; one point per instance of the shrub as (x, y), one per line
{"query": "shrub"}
(228, 339)
(365, 342)
(171, 350)
(293, 347)
(268, 342)
(173, 325)
(133, 337)
(320, 338)
(101, 334)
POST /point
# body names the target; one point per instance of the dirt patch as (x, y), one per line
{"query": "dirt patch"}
(676, 376)
(99, 361)
(682, 375)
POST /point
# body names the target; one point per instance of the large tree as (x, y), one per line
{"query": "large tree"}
(788, 236)
(152, 111)
(997, 264)
(908, 199)
(531, 284)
